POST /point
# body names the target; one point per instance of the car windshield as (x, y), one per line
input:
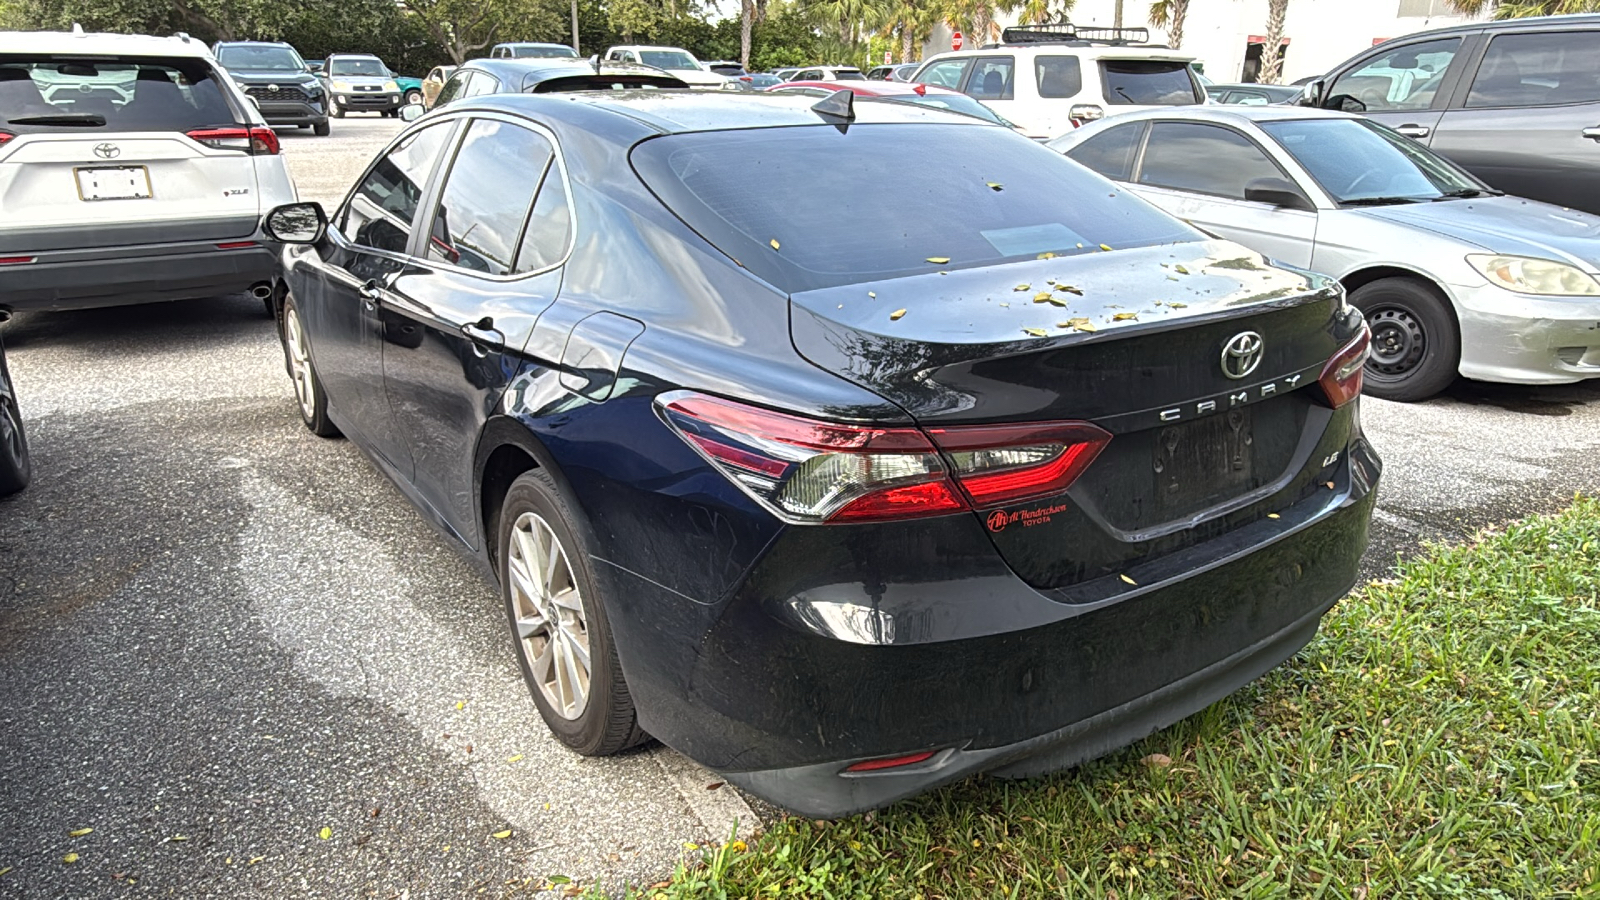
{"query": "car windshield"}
(671, 60)
(542, 51)
(1148, 82)
(260, 59)
(357, 67)
(1358, 161)
(849, 75)
(960, 103)
(55, 94)
(937, 196)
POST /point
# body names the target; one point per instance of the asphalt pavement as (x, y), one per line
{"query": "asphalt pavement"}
(233, 650)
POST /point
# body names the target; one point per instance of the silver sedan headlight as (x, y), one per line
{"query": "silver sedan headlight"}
(1528, 275)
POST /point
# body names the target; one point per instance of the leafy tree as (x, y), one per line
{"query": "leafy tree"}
(1520, 9)
(1169, 14)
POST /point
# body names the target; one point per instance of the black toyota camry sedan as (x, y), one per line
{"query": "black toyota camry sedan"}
(1020, 474)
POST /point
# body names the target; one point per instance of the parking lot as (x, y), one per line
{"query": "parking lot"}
(236, 653)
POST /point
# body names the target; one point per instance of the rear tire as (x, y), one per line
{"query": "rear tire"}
(321, 129)
(1416, 346)
(558, 621)
(338, 112)
(310, 398)
(15, 468)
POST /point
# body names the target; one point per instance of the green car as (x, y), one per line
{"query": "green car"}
(410, 88)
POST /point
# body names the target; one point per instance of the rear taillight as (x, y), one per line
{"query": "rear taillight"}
(5, 136)
(255, 141)
(998, 465)
(1341, 377)
(808, 471)
(1083, 113)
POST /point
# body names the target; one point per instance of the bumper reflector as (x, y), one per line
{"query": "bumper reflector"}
(890, 762)
(236, 245)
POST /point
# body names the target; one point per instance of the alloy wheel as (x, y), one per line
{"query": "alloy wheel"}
(1398, 341)
(551, 631)
(305, 389)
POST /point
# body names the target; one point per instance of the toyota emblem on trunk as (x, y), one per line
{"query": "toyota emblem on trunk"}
(1242, 354)
(107, 151)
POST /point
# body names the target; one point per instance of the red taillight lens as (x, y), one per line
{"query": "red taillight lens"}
(255, 141)
(808, 471)
(812, 472)
(5, 136)
(1341, 377)
(998, 465)
(235, 245)
(890, 762)
(16, 260)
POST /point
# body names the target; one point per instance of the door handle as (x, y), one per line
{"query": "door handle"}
(370, 293)
(1592, 134)
(1414, 131)
(483, 332)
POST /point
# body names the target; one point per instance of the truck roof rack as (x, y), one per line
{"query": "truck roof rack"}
(1063, 32)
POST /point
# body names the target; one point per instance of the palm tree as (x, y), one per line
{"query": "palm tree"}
(1272, 49)
(1521, 9)
(747, 12)
(1169, 14)
(1041, 12)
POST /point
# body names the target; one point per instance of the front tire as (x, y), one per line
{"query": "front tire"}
(308, 393)
(413, 97)
(338, 111)
(558, 622)
(15, 468)
(321, 129)
(1416, 346)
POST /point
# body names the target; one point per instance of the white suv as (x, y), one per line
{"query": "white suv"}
(676, 60)
(1049, 79)
(132, 169)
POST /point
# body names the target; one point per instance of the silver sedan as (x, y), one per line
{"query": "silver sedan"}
(1454, 277)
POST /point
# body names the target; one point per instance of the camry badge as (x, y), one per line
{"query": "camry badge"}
(1242, 354)
(107, 151)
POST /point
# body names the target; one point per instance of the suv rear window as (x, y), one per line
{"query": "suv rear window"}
(774, 198)
(119, 93)
(1148, 82)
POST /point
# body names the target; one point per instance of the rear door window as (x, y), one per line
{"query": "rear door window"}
(452, 88)
(991, 78)
(487, 195)
(1111, 152)
(1542, 69)
(1231, 159)
(52, 94)
(480, 83)
(946, 73)
(1148, 82)
(1059, 77)
(383, 208)
(1405, 78)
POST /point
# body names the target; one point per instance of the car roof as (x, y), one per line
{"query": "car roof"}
(1534, 22)
(356, 55)
(1065, 48)
(542, 67)
(644, 47)
(679, 112)
(867, 88)
(67, 43)
(532, 44)
(1230, 115)
(254, 44)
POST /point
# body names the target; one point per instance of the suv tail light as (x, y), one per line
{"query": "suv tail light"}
(254, 141)
(1341, 377)
(1082, 114)
(811, 472)
(5, 136)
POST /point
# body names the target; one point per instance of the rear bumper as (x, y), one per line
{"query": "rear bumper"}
(136, 274)
(1521, 339)
(921, 640)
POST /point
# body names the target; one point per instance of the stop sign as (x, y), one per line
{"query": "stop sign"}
(955, 41)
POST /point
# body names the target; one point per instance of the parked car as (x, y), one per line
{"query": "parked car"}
(432, 84)
(727, 68)
(548, 75)
(274, 75)
(918, 94)
(1069, 75)
(827, 73)
(758, 81)
(1454, 277)
(410, 88)
(134, 169)
(16, 469)
(1252, 94)
(823, 509)
(879, 73)
(532, 50)
(675, 60)
(360, 82)
(785, 73)
(1515, 102)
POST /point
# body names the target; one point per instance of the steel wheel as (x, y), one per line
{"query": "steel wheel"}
(305, 387)
(1399, 341)
(552, 632)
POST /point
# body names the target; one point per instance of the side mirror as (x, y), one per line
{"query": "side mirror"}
(411, 112)
(296, 223)
(1345, 103)
(1277, 192)
(1311, 94)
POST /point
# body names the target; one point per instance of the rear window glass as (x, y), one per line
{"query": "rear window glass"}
(811, 207)
(42, 94)
(1145, 82)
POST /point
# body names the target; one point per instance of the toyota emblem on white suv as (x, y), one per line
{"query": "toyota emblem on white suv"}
(107, 151)
(1242, 354)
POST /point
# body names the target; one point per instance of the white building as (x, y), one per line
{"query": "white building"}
(1225, 36)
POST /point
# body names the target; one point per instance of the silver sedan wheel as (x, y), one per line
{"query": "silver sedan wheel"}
(551, 631)
(305, 390)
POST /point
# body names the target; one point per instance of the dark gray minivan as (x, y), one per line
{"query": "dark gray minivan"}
(1515, 102)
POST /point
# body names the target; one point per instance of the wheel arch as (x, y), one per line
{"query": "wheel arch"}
(507, 449)
(1360, 278)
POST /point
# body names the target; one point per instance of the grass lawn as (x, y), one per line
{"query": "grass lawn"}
(1439, 738)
